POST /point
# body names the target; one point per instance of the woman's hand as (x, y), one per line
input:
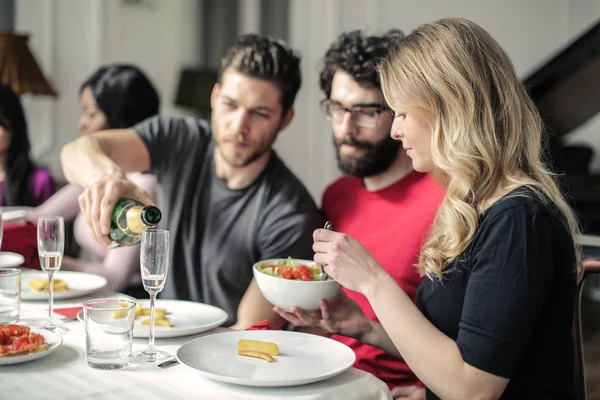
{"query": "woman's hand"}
(342, 316)
(346, 260)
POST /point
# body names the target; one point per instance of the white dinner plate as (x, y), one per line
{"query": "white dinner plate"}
(303, 358)
(80, 284)
(53, 340)
(13, 215)
(9, 259)
(186, 317)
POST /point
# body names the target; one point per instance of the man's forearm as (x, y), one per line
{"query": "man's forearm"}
(253, 308)
(377, 336)
(84, 162)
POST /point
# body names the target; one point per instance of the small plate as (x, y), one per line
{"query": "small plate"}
(303, 358)
(186, 317)
(80, 284)
(9, 259)
(13, 215)
(54, 341)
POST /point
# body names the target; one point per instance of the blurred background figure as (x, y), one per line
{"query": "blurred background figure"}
(22, 183)
(114, 97)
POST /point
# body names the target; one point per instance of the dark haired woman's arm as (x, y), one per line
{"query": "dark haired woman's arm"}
(63, 203)
(116, 266)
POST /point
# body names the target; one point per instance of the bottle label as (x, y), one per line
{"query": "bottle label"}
(126, 224)
(133, 221)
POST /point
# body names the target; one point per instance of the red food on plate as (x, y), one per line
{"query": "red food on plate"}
(19, 340)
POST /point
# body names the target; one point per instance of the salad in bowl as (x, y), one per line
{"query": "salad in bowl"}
(293, 282)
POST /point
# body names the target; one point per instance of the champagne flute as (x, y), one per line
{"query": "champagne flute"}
(51, 244)
(154, 266)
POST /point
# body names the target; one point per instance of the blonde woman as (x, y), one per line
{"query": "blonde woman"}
(494, 313)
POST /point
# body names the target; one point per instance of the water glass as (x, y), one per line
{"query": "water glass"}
(108, 332)
(10, 295)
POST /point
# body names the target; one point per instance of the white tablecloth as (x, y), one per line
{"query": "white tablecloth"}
(65, 375)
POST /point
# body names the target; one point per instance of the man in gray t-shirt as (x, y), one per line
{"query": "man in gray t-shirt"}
(228, 200)
(217, 233)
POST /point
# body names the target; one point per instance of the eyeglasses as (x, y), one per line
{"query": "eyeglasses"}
(363, 116)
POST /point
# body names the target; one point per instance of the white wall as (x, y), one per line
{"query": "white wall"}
(65, 58)
(159, 36)
(71, 38)
(530, 31)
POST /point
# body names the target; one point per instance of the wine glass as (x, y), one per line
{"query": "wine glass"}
(154, 266)
(51, 245)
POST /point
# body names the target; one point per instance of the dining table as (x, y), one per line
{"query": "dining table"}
(64, 374)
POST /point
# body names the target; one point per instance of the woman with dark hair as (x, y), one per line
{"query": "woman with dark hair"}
(22, 183)
(115, 96)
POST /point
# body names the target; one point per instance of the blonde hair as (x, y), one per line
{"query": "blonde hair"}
(486, 131)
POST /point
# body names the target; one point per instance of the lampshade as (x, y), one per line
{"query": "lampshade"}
(18, 68)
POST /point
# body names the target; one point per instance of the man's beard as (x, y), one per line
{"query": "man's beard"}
(236, 158)
(237, 161)
(372, 160)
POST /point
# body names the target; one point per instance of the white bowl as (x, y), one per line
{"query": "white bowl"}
(285, 293)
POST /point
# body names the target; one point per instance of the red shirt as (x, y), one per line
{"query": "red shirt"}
(391, 224)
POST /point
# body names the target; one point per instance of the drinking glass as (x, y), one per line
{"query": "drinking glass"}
(154, 266)
(10, 295)
(108, 332)
(51, 244)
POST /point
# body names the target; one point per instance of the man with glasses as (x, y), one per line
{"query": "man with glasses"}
(381, 201)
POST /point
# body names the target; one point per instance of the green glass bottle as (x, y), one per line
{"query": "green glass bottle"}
(129, 219)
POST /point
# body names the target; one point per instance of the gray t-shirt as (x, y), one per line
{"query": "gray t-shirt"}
(217, 233)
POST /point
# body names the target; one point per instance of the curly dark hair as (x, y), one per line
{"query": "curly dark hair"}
(357, 55)
(265, 58)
